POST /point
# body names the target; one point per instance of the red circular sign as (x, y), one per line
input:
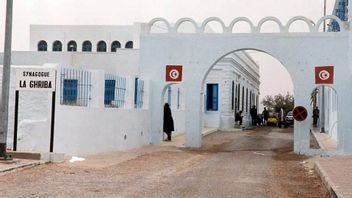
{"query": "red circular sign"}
(300, 113)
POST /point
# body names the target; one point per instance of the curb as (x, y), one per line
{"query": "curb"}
(20, 167)
(329, 185)
(208, 132)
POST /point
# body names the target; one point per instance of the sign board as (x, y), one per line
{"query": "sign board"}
(324, 75)
(300, 113)
(173, 73)
(35, 79)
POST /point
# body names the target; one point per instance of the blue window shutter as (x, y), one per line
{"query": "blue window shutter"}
(70, 91)
(208, 99)
(135, 92)
(109, 91)
(215, 97)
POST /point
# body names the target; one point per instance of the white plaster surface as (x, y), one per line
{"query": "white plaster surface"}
(298, 52)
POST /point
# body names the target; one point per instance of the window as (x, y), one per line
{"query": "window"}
(233, 95)
(238, 96)
(250, 99)
(212, 97)
(101, 47)
(129, 45)
(70, 91)
(246, 99)
(109, 94)
(87, 46)
(138, 93)
(57, 46)
(72, 46)
(242, 99)
(42, 46)
(178, 98)
(115, 45)
(169, 94)
(75, 87)
(115, 91)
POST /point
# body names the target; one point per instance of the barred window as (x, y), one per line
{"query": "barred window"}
(70, 91)
(139, 92)
(115, 91)
(75, 87)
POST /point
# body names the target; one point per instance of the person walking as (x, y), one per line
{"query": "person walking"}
(315, 116)
(168, 125)
(239, 118)
(254, 115)
(265, 114)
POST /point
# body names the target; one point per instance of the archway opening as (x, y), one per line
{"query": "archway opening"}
(324, 129)
(173, 95)
(242, 83)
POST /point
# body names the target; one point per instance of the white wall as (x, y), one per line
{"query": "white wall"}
(123, 62)
(78, 130)
(82, 131)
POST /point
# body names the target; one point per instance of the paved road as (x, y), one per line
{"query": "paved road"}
(257, 163)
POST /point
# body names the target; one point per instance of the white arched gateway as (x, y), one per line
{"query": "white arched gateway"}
(300, 53)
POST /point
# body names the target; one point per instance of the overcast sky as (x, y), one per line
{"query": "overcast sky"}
(125, 12)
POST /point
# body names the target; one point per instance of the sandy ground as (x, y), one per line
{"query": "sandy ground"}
(256, 163)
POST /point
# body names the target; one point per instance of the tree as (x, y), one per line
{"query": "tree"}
(275, 103)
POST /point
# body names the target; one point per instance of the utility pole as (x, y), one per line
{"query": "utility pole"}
(6, 81)
(322, 119)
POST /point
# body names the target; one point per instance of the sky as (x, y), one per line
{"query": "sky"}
(126, 12)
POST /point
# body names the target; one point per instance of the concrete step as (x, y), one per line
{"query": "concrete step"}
(44, 156)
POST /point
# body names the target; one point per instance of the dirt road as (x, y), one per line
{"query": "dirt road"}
(256, 163)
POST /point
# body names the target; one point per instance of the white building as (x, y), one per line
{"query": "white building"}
(102, 101)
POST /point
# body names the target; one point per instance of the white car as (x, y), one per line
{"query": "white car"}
(289, 118)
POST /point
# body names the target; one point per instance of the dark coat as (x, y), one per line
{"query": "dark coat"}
(253, 112)
(168, 121)
(265, 114)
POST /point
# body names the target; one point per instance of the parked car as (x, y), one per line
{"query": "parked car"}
(272, 120)
(288, 120)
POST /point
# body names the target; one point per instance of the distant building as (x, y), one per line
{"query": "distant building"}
(340, 10)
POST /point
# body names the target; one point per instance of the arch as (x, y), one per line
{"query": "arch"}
(101, 46)
(86, 46)
(115, 45)
(159, 19)
(129, 45)
(239, 50)
(309, 22)
(325, 98)
(244, 19)
(216, 19)
(72, 46)
(182, 20)
(273, 19)
(321, 20)
(42, 46)
(57, 46)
